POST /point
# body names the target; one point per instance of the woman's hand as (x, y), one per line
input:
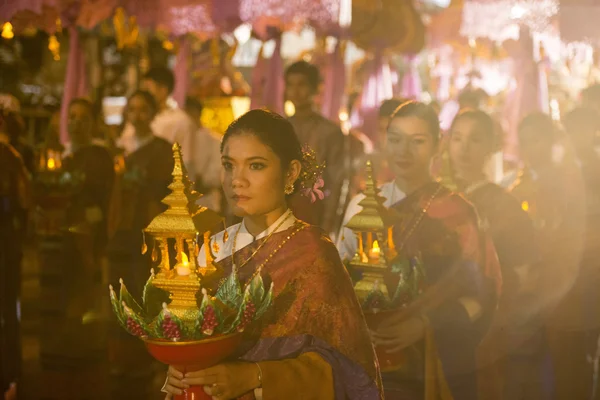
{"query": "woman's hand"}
(398, 334)
(222, 382)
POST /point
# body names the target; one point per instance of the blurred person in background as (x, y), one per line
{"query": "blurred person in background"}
(206, 146)
(171, 122)
(148, 167)
(302, 81)
(553, 195)
(15, 200)
(503, 364)
(14, 129)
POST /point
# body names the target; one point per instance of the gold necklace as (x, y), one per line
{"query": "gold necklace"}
(233, 249)
(291, 235)
(418, 219)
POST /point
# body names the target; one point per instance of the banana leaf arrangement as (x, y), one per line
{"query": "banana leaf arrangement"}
(232, 309)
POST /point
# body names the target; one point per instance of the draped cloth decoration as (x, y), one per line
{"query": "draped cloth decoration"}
(274, 84)
(182, 71)
(334, 77)
(528, 94)
(75, 80)
(411, 81)
(378, 87)
(267, 77)
(258, 79)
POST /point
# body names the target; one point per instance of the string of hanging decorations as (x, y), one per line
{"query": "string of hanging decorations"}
(499, 20)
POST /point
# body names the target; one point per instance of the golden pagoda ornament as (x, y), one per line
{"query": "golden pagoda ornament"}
(176, 307)
(373, 229)
(184, 222)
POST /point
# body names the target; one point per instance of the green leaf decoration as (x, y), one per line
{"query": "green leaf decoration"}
(256, 289)
(208, 320)
(135, 325)
(117, 307)
(375, 300)
(153, 298)
(266, 302)
(230, 292)
(168, 326)
(127, 298)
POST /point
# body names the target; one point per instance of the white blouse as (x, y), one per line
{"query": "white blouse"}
(244, 238)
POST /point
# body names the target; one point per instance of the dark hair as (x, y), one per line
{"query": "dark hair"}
(162, 76)
(147, 97)
(310, 71)
(80, 101)
(423, 112)
(192, 103)
(581, 119)
(388, 106)
(542, 123)
(483, 120)
(272, 130)
(471, 98)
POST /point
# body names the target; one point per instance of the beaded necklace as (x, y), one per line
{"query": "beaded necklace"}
(233, 249)
(418, 219)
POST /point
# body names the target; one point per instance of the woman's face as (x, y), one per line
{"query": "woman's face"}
(252, 176)
(139, 113)
(409, 147)
(469, 147)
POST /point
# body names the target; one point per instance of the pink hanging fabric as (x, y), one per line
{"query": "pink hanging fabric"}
(335, 83)
(258, 80)
(182, 71)
(378, 87)
(527, 95)
(274, 82)
(75, 80)
(411, 81)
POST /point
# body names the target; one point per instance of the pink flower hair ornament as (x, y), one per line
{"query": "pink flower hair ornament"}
(311, 177)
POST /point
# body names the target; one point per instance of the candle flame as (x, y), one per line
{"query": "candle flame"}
(525, 206)
(51, 164)
(7, 31)
(184, 259)
(376, 248)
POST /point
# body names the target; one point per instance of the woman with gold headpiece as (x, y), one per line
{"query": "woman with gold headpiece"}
(471, 143)
(436, 233)
(314, 344)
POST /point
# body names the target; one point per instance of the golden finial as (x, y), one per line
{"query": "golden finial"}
(373, 229)
(374, 215)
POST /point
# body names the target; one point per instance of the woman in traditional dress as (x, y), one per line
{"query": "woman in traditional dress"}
(315, 343)
(440, 330)
(554, 192)
(515, 338)
(147, 175)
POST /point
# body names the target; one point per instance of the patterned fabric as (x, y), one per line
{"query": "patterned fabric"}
(315, 310)
(459, 263)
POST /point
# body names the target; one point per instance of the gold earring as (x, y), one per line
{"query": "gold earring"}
(289, 189)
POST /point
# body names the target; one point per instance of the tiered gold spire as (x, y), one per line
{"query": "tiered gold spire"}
(373, 229)
(374, 216)
(183, 221)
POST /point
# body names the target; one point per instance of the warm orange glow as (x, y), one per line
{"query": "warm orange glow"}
(51, 164)
(7, 31)
(375, 251)
(183, 268)
(525, 206)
